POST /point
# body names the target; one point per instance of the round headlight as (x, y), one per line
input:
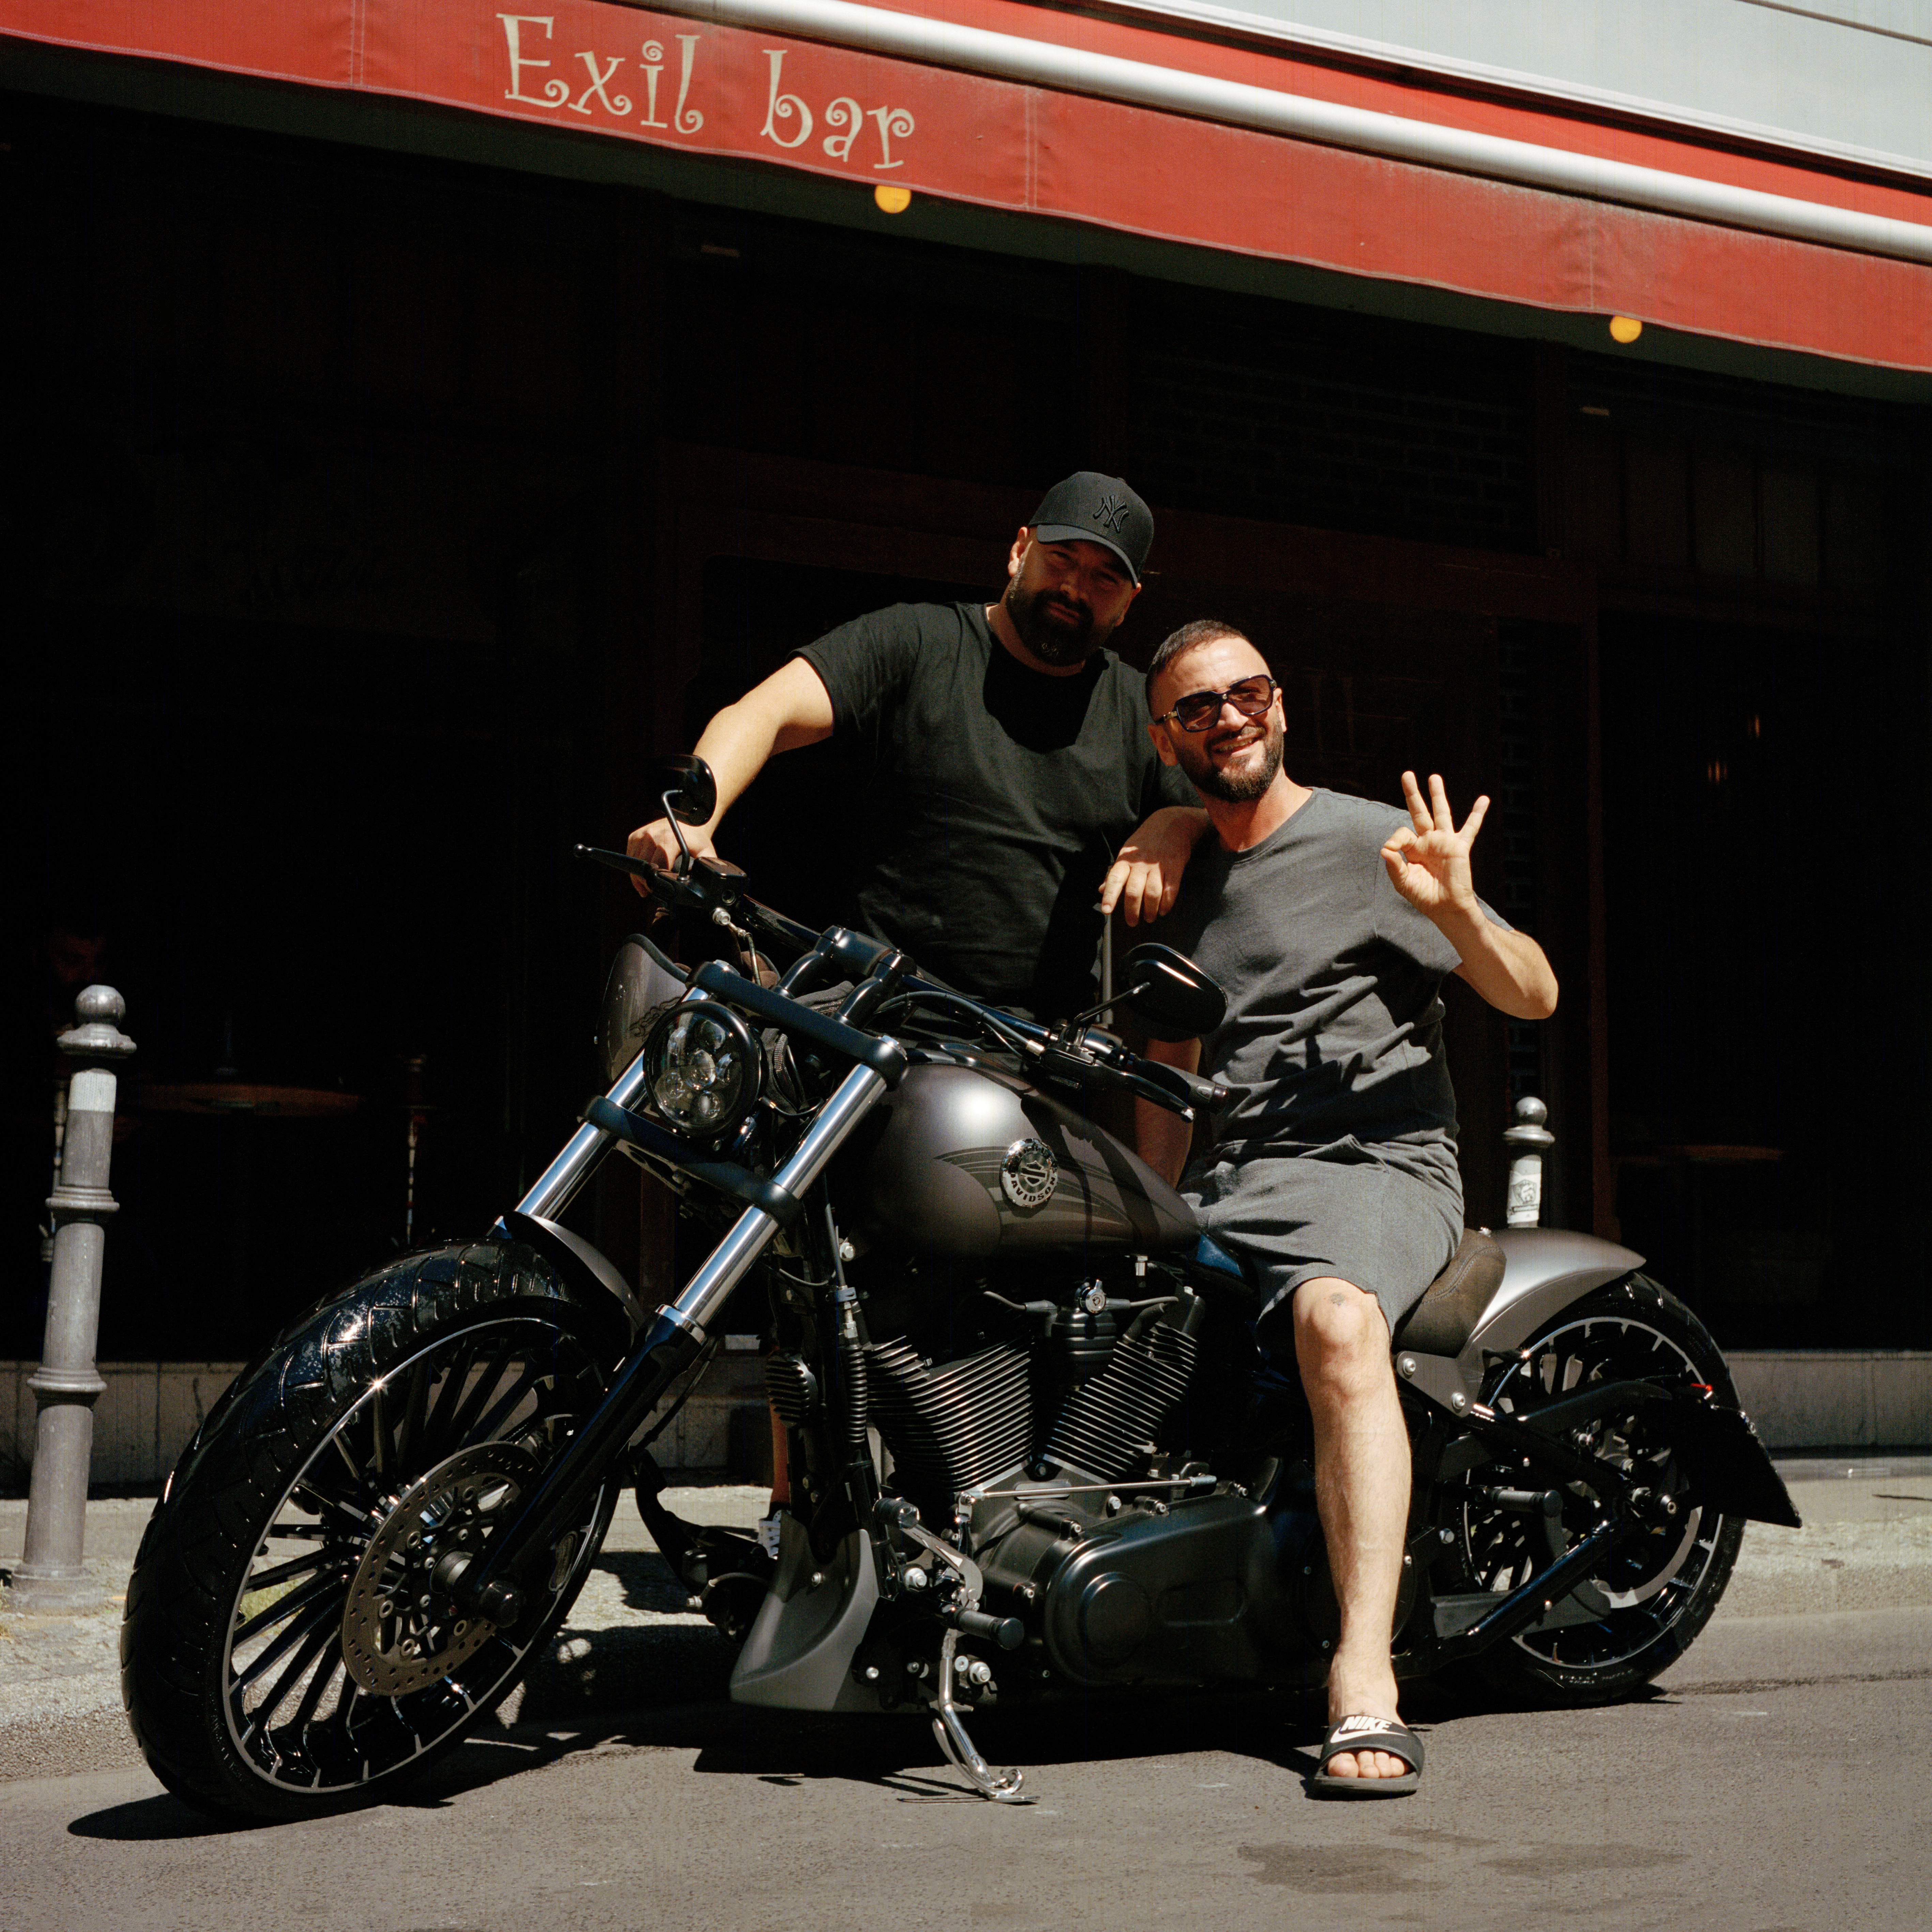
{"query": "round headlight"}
(702, 1068)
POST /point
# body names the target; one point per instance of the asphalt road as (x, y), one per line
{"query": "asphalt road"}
(1775, 1780)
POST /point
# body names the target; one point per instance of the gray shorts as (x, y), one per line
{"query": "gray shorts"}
(1386, 1215)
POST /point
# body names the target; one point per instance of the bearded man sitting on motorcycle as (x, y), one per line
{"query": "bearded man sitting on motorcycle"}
(1330, 922)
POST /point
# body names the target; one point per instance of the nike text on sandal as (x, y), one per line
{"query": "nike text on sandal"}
(1363, 1733)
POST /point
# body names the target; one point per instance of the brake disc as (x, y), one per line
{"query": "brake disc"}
(401, 1631)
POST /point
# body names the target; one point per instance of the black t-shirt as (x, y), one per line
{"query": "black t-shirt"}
(999, 797)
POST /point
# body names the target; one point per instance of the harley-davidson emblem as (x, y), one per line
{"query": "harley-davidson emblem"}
(1029, 1173)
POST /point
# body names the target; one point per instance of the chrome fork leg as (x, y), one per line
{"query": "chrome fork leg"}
(1002, 1787)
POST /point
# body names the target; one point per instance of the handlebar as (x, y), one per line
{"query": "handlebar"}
(884, 1056)
(1091, 1053)
(882, 973)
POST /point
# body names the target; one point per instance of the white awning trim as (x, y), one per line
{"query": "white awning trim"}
(1532, 89)
(1204, 98)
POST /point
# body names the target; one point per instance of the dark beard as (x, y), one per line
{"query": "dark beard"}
(1047, 641)
(1212, 782)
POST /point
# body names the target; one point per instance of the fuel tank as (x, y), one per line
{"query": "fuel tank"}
(969, 1161)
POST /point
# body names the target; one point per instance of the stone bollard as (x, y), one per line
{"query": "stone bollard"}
(50, 1575)
(1527, 1141)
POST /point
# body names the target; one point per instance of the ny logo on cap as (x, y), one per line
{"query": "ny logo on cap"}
(1111, 513)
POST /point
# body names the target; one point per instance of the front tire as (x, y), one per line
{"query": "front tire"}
(1654, 1596)
(285, 1650)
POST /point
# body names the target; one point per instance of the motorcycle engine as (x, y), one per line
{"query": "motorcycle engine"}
(972, 1386)
(1043, 1390)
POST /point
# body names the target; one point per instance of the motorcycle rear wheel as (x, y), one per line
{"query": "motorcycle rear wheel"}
(283, 1653)
(1655, 1595)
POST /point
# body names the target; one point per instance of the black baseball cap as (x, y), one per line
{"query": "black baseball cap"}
(1097, 509)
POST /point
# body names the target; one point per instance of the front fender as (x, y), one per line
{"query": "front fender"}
(580, 1262)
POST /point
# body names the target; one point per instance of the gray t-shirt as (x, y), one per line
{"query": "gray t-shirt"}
(1334, 1020)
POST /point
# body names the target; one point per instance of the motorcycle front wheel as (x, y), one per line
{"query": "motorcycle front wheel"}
(286, 1649)
(1641, 1612)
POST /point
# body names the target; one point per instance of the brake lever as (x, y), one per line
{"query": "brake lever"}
(622, 862)
(1202, 1093)
(710, 883)
(1172, 1086)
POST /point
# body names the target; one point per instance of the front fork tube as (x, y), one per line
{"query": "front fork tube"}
(582, 1154)
(667, 1348)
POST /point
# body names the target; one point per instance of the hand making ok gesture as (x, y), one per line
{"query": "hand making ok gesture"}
(1428, 859)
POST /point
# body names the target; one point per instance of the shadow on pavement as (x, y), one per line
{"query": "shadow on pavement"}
(897, 1750)
(149, 1820)
(647, 1581)
(664, 1688)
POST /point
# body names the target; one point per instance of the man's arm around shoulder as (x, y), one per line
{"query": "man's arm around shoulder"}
(1145, 880)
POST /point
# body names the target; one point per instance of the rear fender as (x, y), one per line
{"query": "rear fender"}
(1546, 1270)
(580, 1262)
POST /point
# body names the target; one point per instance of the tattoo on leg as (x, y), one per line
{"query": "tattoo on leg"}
(1338, 1299)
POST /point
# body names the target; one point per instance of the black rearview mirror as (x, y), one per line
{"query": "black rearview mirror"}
(1168, 994)
(689, 792)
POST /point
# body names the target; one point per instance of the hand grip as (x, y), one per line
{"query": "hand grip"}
(1188, 1087)
(1203, 1093)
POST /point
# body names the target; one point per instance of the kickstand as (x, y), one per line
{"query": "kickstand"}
(1003, 1787)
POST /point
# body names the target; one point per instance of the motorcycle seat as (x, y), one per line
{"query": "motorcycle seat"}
(1440, 1321)
(1452, 1303)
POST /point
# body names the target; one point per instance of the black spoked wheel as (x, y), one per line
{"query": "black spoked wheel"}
(289, 1646)
(1640, 1612)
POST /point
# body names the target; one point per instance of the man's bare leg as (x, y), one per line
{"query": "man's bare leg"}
(1361, 1493)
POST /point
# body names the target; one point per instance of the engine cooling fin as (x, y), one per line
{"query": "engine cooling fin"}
(951, 1425)
(1108, 1426)
(791, 1388)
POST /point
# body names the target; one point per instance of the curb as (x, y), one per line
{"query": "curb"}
(631, 1633)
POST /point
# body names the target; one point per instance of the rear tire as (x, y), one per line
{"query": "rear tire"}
(285, 1651)
(1655, 1595)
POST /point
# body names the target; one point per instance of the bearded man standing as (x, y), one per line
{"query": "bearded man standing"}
(1008, 753)
(1331, 923)
(1011, 771)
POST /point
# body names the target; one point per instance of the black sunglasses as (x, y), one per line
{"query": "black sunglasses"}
(1199, 709)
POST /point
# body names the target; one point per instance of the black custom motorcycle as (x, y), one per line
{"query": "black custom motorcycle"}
(1034, 1446)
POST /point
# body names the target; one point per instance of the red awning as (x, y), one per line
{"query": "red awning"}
(1027, 109)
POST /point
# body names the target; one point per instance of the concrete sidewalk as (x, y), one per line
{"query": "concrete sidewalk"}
(1866, 1544)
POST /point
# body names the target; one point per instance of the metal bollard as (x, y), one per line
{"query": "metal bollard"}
(50, 1575)
(1527, 1141)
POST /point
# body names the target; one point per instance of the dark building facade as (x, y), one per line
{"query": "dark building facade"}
(382, 493)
